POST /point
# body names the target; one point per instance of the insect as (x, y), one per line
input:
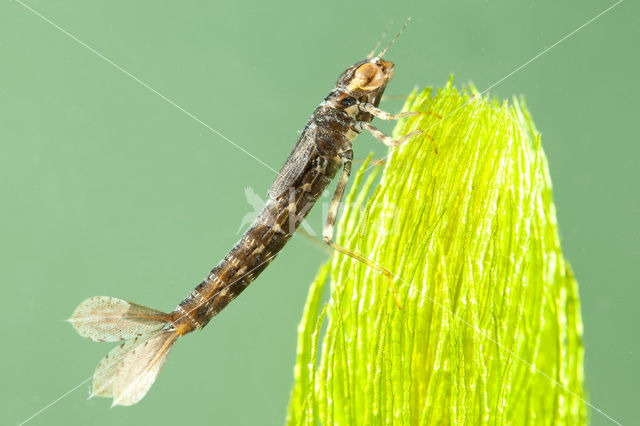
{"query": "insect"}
(324, 147)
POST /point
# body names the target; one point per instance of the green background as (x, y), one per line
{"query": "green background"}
(107, 189)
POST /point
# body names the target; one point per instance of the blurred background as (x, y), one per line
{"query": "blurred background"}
(108, 189)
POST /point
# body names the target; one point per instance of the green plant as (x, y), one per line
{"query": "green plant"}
(490, 327)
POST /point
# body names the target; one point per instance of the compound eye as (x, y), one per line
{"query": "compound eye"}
(367, 77)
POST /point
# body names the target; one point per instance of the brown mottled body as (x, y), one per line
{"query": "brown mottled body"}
(318, 155)
(323, 148)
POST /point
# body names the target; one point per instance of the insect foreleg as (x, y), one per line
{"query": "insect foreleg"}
(327, 233)
(385, 139)
(384, 115)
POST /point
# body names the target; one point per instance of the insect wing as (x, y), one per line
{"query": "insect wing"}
(296, 163)
(109, 319)
(140, 367)
(103, 376)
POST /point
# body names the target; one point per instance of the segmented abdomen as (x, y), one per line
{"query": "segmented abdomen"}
(259, 245)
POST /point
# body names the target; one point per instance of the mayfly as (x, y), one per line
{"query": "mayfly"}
(324, 147)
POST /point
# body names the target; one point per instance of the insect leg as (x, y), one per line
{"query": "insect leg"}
(315, 240)
(385, 139)
(327, 233)
(384, 115)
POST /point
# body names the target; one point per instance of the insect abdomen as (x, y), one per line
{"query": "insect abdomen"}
(268, 234)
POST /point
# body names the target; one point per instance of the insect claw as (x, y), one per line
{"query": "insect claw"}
(396, 297)
(413, 134)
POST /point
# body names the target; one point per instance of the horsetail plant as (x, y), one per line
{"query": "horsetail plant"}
(490, 328)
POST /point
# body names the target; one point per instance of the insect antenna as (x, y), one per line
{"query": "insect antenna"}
(382, 37)
(395, 38)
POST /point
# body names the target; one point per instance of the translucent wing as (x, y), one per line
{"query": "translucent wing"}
(140, 367)
(108, 319)
(127, 372)
(296, 162)
(103, 376)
